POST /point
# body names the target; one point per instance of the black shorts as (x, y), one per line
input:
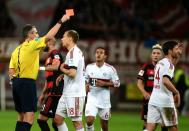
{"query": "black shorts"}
(48, 109)
(24, 94)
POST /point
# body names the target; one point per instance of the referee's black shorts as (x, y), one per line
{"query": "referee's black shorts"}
(24, 94)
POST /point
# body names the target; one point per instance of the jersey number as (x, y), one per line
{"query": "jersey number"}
(157, 75)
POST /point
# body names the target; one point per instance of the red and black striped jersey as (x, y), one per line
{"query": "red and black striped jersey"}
(146, 74)
(51, 76)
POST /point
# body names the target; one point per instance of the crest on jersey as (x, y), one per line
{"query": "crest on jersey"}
(104, 74)
(141, 73)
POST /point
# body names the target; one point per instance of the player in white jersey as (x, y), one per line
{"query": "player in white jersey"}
(161, 107)
(100, 76)
(72, 101)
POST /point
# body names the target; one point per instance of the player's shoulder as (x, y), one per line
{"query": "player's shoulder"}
(109, 66)
(76, 50)
(16, 49)
(147, 65)
(91, 64)
(164, 62)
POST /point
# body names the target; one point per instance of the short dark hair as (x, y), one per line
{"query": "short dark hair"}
(26, 30)
(73, 34)
(100, 47)
(169, 45)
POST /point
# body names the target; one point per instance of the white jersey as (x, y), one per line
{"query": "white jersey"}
(100, 96)
(161, 96)
(75, 87)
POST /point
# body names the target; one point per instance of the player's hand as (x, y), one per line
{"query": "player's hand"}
(65, 18)
(100, 83)
(177, 100)
(41, 99)
(58, 79)
(146, 96)
(87, 88)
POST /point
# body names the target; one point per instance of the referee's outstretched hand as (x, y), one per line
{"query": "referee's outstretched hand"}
(65, 18)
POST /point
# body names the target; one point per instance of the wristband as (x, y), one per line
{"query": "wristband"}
(42, 68)
(60, 21)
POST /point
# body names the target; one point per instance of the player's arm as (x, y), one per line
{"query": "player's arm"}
(43, 94)
(140, 82)
(59, 78)
(169, 85)
(11, 73)
(114, 81)
(52, 32)
(71, 72)
(11, 68)
(73, 62)
(104, 84)
(54, 66)
(140, 85)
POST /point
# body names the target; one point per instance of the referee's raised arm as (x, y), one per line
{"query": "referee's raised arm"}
(52, 32)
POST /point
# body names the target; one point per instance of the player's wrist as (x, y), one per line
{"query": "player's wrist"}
(176, 93)
(60, 21)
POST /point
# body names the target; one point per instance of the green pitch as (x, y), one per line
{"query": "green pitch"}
(120, 121)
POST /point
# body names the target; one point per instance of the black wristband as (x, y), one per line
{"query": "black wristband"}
(60, 22)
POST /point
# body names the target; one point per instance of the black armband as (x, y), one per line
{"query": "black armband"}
(60, 22)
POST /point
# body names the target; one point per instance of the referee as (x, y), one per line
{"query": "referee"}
(23, 71)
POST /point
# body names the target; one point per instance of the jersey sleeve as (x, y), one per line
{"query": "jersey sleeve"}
(13, 59)
(168, 70)
(38, 43)
(11, 64)
(87, 74)
(114, 77)
(73, 60)
(141, 72)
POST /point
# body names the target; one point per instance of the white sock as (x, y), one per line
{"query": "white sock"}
(90, 128)
(82, 129)
(63, 127)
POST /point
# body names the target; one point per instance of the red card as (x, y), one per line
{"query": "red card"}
(70, 12)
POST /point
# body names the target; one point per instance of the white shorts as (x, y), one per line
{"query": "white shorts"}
(71, 107)
(165, 115)
(92, 110)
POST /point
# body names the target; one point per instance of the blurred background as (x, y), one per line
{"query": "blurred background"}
(126, 28)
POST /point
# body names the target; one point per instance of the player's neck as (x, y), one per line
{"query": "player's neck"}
(99, 63)
(169, 57)
(70, 46)
(154, 63)
(27, 39)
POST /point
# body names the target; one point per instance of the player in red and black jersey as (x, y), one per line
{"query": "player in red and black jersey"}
(146, 79)
(51, 92)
